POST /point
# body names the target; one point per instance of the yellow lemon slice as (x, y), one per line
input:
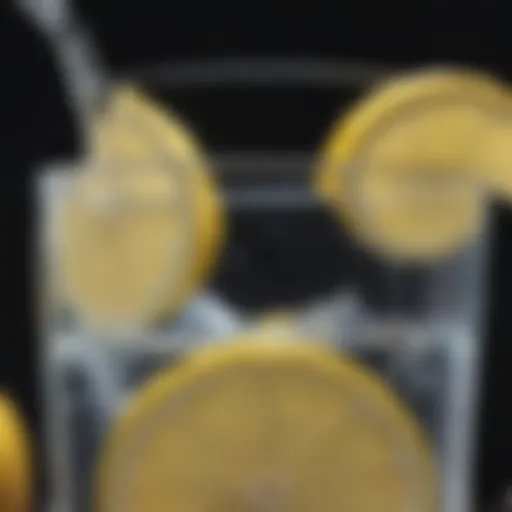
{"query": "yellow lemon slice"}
(400, 168)
(261, 424)
(15, 464)
(276, 322)
(278, 316)
(142, 225)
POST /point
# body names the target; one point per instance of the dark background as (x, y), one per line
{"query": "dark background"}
(38, 127)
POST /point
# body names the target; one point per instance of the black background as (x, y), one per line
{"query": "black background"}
(38, 126)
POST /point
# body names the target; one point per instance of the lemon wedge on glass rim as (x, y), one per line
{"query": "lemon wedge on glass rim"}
(400, 169)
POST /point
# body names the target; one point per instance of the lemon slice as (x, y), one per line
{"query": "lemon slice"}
(277, 316)
(275, 322)
(15, 465)
(270, 425)
(400, 168)
(142, 225)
